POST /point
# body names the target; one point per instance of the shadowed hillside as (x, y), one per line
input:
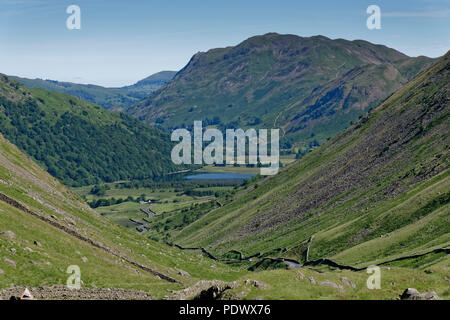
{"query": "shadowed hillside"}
(45, 228)
(78, 142)
(311, 88)
(377, 191)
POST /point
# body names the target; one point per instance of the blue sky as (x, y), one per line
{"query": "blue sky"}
(121, 42)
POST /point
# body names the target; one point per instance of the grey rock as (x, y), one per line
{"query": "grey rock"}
(183, 273)
(216, 291)
(430, 296)
(10, 262)
(348, 282)
(408, 293)
(312, 280)
(8, 234)
(37, 243)
(1, 271)
(328, 283)
(69, 221)
(34, 263)
(259, 284)
(413, 294)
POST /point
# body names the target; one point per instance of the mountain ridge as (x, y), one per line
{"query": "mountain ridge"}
(113, 98)
(383, 180)
(266, 80)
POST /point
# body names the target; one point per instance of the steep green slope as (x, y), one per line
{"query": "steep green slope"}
(379, 190)
(108, 98)
(45, 228)
(311, 88)
(78, 142)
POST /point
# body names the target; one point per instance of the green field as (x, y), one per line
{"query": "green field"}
(171, 205)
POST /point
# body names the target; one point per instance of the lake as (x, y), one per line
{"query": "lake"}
(219, 176)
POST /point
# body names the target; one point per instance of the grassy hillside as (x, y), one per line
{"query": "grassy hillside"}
(311, 88)
(108, 98)
(377, 191)
(53, 229)
(78, 142)
(45, 228)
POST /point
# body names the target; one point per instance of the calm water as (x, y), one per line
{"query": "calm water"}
(218, 176)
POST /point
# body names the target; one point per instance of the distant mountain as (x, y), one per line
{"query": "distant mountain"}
(151, 83)
(379, 190)
(108, 98)
(78, 142)
(311, 88)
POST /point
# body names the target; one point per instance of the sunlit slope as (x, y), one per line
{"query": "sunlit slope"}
(108, 98)
(78, 142)
(309, 87)
(44, 228)
(379, 190)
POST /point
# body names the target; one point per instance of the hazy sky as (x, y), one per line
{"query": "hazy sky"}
(121, 42)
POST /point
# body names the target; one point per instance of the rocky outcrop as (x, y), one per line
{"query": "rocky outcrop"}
(61, 292)
(203, 290)
(348, 282)
(328, 283)
(215, 292)
(8, 234)
(413, 294)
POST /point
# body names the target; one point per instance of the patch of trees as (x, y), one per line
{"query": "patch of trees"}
(99, 190)
(178, 183)
(112, 201)
(81, 151)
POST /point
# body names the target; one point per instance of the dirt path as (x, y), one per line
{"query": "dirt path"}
(61, 292)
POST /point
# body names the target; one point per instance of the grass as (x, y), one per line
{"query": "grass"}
(358, 213)
(25, 182)
(384, 202)
(174, 206)
(99, 268)
(294, 284)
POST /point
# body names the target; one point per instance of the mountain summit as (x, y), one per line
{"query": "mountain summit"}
(311, 88)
